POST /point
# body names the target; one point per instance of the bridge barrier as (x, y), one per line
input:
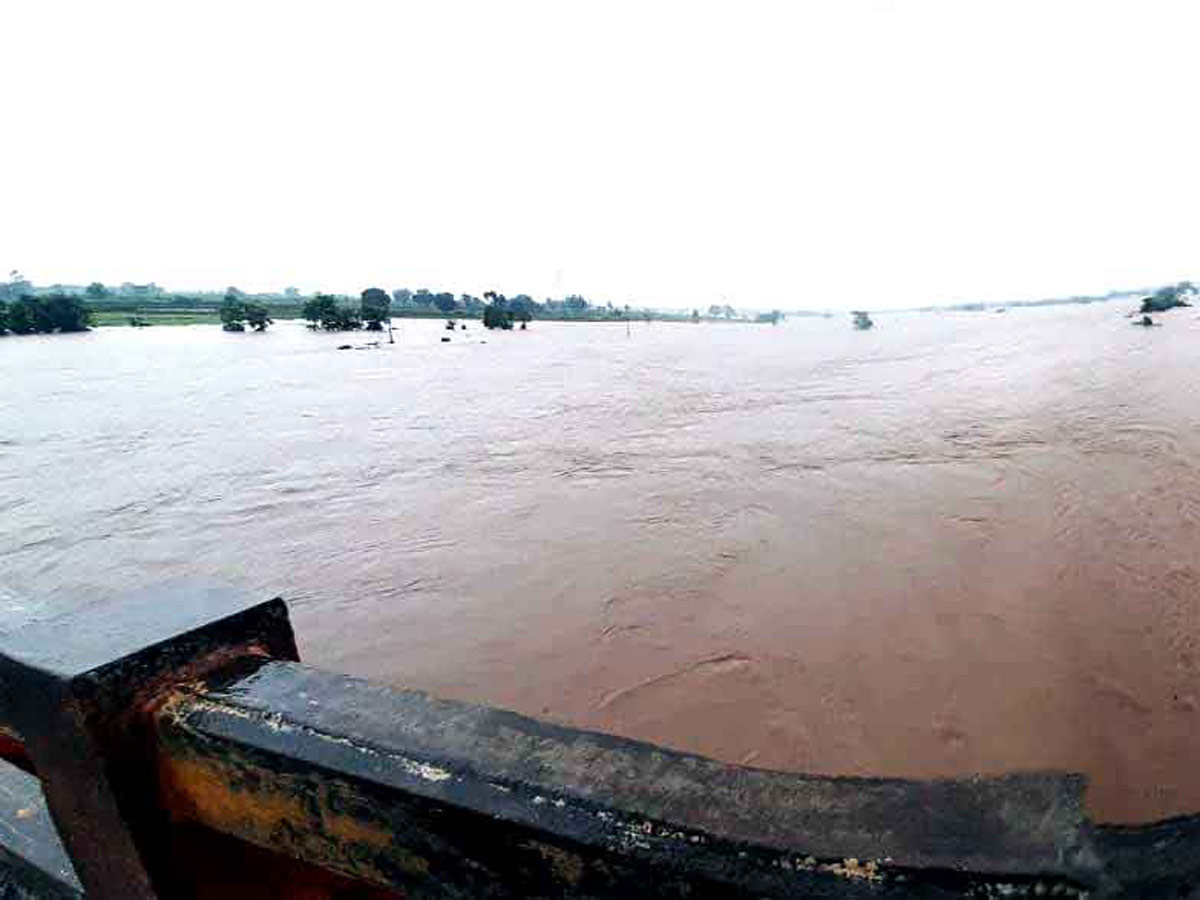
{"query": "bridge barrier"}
(172, 745)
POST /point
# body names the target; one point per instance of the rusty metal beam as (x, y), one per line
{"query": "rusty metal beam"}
(78, 691)
(446, 799)
(33, 862)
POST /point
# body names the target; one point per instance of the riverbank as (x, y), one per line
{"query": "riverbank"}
(107, 317)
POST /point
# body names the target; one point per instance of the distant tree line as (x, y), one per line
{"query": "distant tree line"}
(330, 313)
(522, 306)
(326, 312)
(21, 312)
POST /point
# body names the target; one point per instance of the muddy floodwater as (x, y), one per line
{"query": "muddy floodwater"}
(957, 543)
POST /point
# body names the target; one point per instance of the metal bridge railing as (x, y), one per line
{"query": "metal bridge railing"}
(172, 746)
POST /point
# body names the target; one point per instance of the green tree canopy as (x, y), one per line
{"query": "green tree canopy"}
(258, 316)
(324, 311)
(376, 308)
(47, 314)
(497, 314)
(233, 313)
(1169, 297)
(522, 307)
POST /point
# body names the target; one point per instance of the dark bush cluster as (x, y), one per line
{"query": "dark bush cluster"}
(44, 314)
(1169, 297)
(237, 313)
(497, 313)
(376, 308)
(323, 311)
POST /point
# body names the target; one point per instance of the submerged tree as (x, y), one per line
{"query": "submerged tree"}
(497, 314)
(46, 314)
(323, 311)
(1169, 297)
(20, 316)
(862, 320)
(258, 316)
(238, 312)
(67, 313)
(522, 307)
(376, 308)
(233, 313)
(317, 309)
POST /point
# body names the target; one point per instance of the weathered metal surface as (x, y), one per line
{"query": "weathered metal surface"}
(78, 689)
(33, 861)
(447, 799)
(1153, 862)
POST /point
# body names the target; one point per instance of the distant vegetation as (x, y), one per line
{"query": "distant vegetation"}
(325, 312)
(237, 312)
(376, 308)
(27, 308)
(497, 313)
(1050, 301)
(1169, 297)
(151, 304)
(22, 312)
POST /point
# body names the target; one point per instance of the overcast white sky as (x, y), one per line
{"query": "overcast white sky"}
(803, 154)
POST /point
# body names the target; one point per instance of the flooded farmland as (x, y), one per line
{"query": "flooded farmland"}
(954, 543)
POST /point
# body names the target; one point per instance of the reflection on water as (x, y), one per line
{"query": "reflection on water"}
(955, 543)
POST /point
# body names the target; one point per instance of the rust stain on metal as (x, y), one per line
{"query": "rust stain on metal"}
(12, 748)
(281, 813)
(204, 790)
(151, 696)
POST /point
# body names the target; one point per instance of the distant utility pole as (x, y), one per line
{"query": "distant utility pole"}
(391, 340)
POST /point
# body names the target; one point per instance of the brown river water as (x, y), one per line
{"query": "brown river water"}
(957, 543)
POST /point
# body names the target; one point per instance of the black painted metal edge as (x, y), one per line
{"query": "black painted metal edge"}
(31, 852)
(611, 791)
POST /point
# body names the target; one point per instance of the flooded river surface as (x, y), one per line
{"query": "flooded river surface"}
(957, 543)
